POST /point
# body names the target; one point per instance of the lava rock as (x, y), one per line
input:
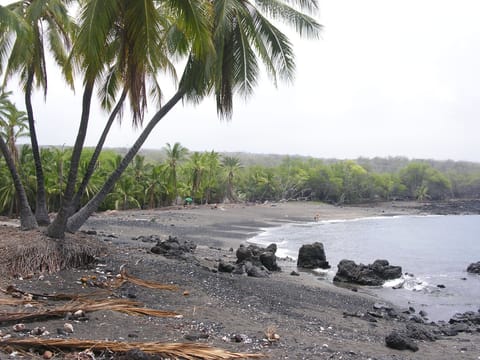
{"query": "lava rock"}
(172, 247)
(312, 256)
(399, 341)
(372, 275)
(259, 257)
(225, 267)
(474, 268)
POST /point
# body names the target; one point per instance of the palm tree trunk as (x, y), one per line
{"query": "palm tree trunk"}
(41, 212)
(79, 218)
(27, 219)
(98, 149)
(57, 228)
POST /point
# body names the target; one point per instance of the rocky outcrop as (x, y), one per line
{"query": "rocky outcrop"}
(253, 260)
(312, 256)
(172, 247)
(474, 268)
(373, 275)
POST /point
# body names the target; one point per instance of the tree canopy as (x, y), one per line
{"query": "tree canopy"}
(120, 48)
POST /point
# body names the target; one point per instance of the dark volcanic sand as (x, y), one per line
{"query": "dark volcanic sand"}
(231, 311)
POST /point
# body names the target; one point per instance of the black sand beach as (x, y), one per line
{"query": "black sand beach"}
(312, 319)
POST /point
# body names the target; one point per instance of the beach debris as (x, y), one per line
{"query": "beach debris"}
(120, 305)
(47, 354)
(126, 277)
(19, 327)
(271, 334)
(68, 328)
(312, 256)
(39, 330)
(128, 349)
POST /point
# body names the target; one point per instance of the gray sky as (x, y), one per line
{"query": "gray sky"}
(387, 78)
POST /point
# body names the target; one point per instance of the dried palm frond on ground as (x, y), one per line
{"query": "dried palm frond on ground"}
(120, 305)
(29, 252)
(16, 302)
(125, 277)
(188, 351)
(15, 292)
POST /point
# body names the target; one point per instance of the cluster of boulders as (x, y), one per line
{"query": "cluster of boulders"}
(474, 268)
(416, 326)
(172, 247)
(372, 275)
(252, 260)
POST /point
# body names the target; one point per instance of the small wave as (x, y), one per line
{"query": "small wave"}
(407, 282)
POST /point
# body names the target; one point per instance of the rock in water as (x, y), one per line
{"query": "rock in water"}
(372, 275)
(312, 256)
(400, 342)
(474, 268)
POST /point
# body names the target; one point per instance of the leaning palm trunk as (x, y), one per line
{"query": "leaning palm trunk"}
(58, 226)
(27, 219)
(79, 218)
(98, 149)
(41, 212)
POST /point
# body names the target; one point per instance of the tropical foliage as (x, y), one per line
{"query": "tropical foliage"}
(119, 48)
(211, 177)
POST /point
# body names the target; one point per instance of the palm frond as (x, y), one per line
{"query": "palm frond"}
(187, 351)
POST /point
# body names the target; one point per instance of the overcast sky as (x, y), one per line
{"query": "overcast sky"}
(387, 78)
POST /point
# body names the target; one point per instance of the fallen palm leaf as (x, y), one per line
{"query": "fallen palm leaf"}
(124, 276)
(11, 290)
(120, 305)
(16, 302)
(188, 351)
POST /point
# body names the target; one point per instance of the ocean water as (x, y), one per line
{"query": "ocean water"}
(433, 250)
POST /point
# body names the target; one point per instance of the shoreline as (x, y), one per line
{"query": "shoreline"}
(314, 319)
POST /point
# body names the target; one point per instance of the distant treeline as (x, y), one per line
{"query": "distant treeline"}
(169, 176)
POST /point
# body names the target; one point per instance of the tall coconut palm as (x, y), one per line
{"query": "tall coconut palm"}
(242, 36)
(195, 168)
(14, 127)
(27, 219)
(175, 154)
(231, 165)
(43, 22)
(140, 52)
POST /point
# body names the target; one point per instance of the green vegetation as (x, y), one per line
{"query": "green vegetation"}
(120, 49)
(211, 177)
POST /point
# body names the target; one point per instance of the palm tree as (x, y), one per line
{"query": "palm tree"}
(175, 155)
(12, 127)
(27, 219)
(36, 23)
(231, 165)
(195, 168)
(241, 35)
(156, 187)
(140, 53)
(212, 160)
